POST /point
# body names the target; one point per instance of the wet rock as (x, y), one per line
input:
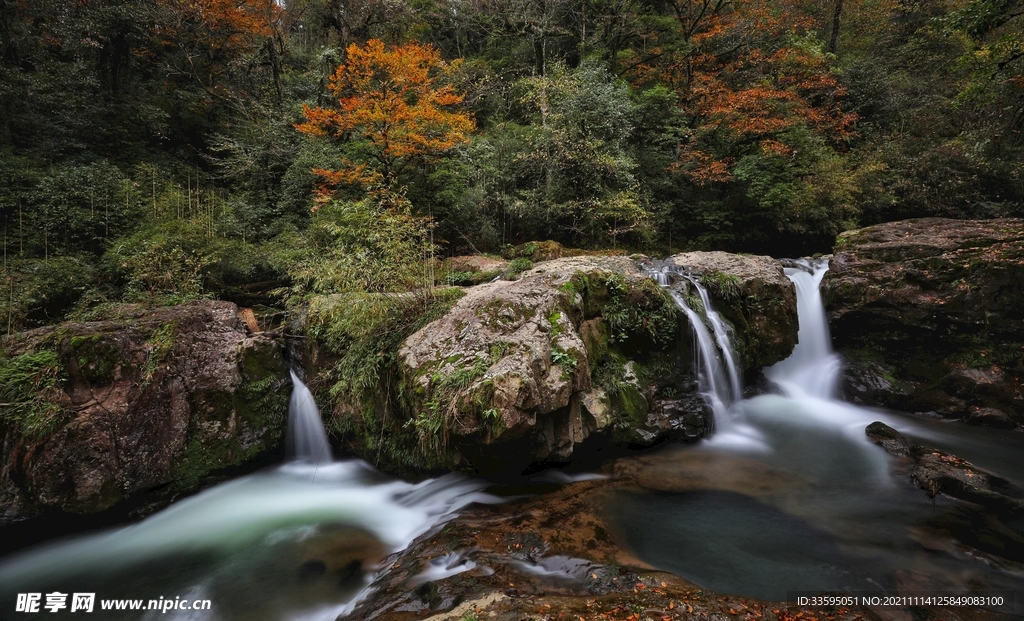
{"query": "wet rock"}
(870, 383)
(889, 439)
(549, 557)
(152, 399)
(685, 419)
(754, 295)
(938, 472)
(930, 315)
(990, 417)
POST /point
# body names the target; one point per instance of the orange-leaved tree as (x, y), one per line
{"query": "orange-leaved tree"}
(747, 73)
(394, 102)
(201, 39)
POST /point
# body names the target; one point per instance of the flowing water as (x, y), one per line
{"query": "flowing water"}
(307, 439)
(295, 542)
(718, 377)
(790, 496)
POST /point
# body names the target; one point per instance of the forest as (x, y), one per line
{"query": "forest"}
(158, 151)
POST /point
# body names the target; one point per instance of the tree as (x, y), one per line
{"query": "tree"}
(395, 110)
(199, 39)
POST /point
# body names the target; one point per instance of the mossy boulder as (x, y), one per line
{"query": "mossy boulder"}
(522, 372)
(96, 413)
(754, 295)
(930, 315)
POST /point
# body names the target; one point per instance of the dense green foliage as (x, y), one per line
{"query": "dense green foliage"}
(149, 150)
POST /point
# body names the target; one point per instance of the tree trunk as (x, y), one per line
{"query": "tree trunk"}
(833, 39)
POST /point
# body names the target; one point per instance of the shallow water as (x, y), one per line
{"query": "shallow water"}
(297, 541)
(818, 511)
(792, 497)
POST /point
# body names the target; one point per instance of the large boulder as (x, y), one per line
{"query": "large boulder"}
(584, 348)
(521, 372)
(930, 315)
(95, 413)
(754, 295)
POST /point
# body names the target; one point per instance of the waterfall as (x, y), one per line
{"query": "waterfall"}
(307, 440)
(718, 378)
(723, 336)
(813, 368)
(248, 541)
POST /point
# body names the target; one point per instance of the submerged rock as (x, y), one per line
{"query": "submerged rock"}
(98, 412)
(888, 438)
(938, 472)
(930, 315)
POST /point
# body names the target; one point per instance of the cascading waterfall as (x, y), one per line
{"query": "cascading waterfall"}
(723, 336)
(718, 378)
(712, 380)
(813, 368)
(794, 496)
(243, 544)
(306, 439)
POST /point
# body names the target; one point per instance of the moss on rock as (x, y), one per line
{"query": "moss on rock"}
(154, 400)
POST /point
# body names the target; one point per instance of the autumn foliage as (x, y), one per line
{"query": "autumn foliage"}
(394, 101)
(746, 73)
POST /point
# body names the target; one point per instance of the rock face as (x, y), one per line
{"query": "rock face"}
(520, 373)
(753, 293)
(930, 315)
(95, 413)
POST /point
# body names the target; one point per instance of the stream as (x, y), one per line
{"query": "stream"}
(790, 496)
(787, 496)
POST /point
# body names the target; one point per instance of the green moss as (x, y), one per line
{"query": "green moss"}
(363, 333)
(259, 405)
(263, 405)
(97, 356)
(553, 318)
(500, 314)
(629, 407)
(159, 346)
(30, 392)
(594, 334)
(517, 267)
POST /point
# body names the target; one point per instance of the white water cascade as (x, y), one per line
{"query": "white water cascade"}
(789, 493)
(723, 336)
(244, 544)
(712, 378)
(718, 377)
(813, 368)
(307, 440)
